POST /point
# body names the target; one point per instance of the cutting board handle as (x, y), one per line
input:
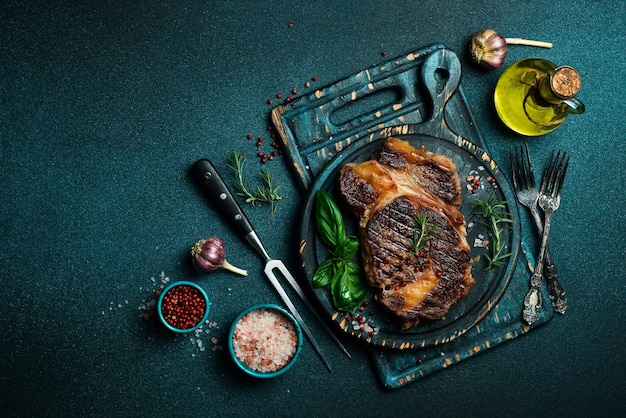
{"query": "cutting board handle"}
(418, 90)
(441, 75)
(439, 78)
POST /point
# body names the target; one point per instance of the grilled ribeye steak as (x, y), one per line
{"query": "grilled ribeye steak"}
(387, 193)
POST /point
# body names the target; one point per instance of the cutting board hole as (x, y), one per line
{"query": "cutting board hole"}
(441, 77)
(367, 105)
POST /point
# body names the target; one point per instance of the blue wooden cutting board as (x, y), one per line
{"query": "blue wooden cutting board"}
(419, 92)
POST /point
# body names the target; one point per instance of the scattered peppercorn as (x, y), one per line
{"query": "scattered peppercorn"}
(263, 156)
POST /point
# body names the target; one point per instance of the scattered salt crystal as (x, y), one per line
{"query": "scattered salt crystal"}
(480, 243)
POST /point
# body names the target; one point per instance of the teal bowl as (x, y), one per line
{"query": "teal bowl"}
(197, 319)
(268, 359)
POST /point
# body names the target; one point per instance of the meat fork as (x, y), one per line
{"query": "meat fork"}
(549, 201)
(528, 195)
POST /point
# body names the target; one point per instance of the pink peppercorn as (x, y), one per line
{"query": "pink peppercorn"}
(183, 307)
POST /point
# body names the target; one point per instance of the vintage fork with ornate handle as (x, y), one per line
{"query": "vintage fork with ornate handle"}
(528, 195)
(549, 200)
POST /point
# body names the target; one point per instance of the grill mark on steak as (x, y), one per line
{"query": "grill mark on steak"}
(391, 157)
(438, 182)
(429, 173)
(357, 193)
(389, 236)
(385, 194)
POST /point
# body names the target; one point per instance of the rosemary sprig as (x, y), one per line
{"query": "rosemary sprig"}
(268, 193)
(423, 232)
(498, 221)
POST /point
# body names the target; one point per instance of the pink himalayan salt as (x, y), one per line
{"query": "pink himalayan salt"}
(265, 340)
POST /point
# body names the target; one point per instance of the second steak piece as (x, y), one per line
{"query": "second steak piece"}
(388, 194)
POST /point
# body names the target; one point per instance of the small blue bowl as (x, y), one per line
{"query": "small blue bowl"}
(160, 307)
(275, 309)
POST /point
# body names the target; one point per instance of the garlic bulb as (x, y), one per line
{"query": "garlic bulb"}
(488, 48)
(210, 254)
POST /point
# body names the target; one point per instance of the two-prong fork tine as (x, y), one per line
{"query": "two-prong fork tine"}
(548, 198)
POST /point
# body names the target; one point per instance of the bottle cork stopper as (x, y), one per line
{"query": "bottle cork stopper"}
(565, 82)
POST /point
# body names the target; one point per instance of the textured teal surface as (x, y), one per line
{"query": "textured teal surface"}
(106, 105)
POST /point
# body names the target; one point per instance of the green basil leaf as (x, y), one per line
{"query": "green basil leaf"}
(329, 219)
(345, 278)
(341, 295)
(347, 287)
(358, 287)
(347, 248)
(324, 274)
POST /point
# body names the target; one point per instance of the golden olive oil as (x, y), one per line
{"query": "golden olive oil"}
(524, 103)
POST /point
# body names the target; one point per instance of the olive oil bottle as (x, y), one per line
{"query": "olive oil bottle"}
(533, 96)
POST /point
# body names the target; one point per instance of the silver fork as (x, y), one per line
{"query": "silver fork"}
(549, 201)
(528, 195)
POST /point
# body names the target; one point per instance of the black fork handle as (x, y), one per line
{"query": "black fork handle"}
(213, 185)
